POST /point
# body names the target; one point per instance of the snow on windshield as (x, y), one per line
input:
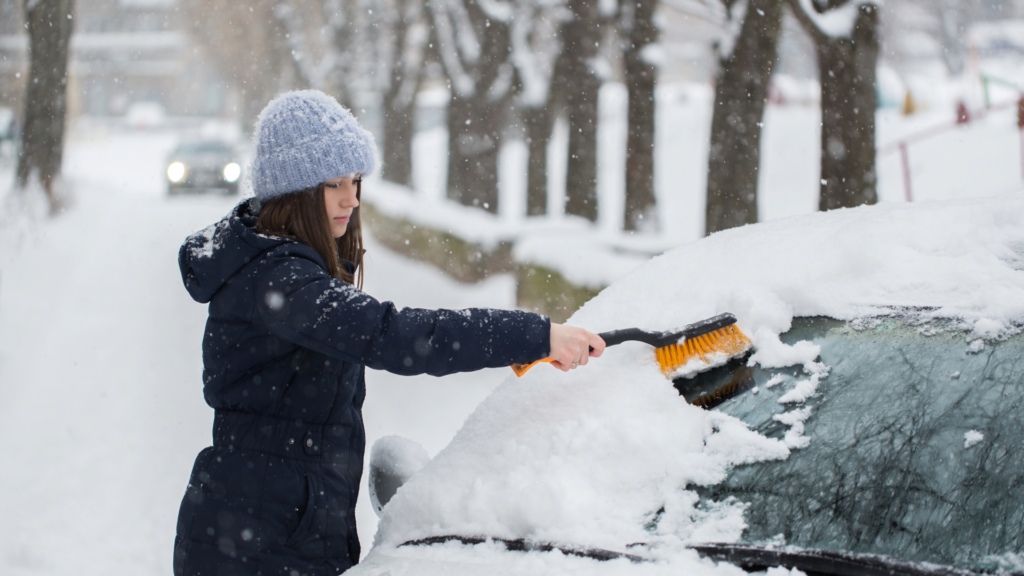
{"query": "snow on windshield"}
(591, 457)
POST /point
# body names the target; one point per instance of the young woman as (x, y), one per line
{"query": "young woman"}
(288, 337)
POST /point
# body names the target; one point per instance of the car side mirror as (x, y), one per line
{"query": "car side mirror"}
(393, 460)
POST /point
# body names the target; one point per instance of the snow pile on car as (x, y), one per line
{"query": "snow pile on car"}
(594, 456)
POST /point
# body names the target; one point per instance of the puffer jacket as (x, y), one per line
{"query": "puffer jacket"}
(284, 351)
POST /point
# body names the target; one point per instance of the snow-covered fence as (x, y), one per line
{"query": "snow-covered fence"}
(964, 118)
(558, 264)
(464, 260)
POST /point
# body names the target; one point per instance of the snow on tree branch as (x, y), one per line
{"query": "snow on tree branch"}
(535, 48)
(731, 28)
(462, 83)
(707, 10)
(497, 10)
(415, 38)
(834, 23)
(502, 83)
(466, 36)
(313, 72)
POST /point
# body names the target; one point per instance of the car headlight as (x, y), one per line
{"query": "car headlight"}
(231, 172)
(176, 172)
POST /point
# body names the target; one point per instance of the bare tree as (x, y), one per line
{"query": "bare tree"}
(578, 77)
(747, 56)
(344, 47)
(636, 23)
(42, 137)
(360, 34)
(250, 44)
(953, 16)
(535, 49)
(473, 43)
(407, 35)
(847, 60)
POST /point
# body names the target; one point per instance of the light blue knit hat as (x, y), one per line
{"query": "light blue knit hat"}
(304, 138)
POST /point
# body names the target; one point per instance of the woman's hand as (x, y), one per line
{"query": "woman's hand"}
(571, 347)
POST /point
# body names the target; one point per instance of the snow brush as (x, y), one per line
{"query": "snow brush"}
(710, 340)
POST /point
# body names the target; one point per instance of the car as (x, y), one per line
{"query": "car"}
(875, 427)
(204, 165)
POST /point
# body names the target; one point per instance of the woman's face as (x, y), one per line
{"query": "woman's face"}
(340, 199)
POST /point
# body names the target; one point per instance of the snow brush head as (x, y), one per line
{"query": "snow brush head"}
(694, 348)
(305, 138)
(706, 350)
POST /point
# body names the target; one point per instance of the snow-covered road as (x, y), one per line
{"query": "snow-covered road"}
(101, 408)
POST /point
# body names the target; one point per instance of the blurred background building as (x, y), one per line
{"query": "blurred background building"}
(123, 53)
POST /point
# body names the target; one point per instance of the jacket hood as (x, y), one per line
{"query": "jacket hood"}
(210, 257)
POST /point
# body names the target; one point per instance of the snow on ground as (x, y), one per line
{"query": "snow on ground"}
(99, 368)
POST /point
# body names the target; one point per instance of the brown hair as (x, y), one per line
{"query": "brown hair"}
(302, 216)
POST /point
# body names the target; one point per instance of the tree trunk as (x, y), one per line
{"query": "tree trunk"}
(474, 47)
(349, 45)
(846, 67)
(399, 129)
(42, 136)
(538, 132)
(474, 129)
(400, 98)
(741, 91)
(640, 79)
(580, 36)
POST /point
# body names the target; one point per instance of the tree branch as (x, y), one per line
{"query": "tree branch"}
(808, 23)
(701, 11)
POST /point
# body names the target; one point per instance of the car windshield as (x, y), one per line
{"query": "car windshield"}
(915, 444)
(206, 147)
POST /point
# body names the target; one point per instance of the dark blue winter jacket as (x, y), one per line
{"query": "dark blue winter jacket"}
(283, 353)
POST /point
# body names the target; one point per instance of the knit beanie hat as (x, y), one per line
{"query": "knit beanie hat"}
(305, 138)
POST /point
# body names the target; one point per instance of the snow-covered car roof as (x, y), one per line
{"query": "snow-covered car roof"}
(590, 456)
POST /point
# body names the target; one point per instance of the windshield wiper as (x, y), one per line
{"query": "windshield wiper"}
(748, 557)
(522, 545)
(822, 562)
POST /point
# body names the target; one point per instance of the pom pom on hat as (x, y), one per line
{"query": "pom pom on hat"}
(304, 138)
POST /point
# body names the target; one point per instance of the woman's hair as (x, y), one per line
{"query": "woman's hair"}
(302, 216)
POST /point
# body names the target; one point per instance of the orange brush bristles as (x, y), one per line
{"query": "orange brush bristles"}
(728, 341)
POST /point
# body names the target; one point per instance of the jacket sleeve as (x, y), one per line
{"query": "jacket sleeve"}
(299, 302)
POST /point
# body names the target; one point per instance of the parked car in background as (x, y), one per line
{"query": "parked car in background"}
(875, 430)
(204, 165)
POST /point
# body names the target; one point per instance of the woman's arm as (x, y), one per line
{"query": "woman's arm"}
(300, 303)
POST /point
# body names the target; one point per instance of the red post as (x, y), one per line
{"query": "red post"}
(905, 157)
(1020, 125)
(963, 116)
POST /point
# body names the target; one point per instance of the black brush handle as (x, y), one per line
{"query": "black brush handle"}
(626, 334)
(662, 339)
